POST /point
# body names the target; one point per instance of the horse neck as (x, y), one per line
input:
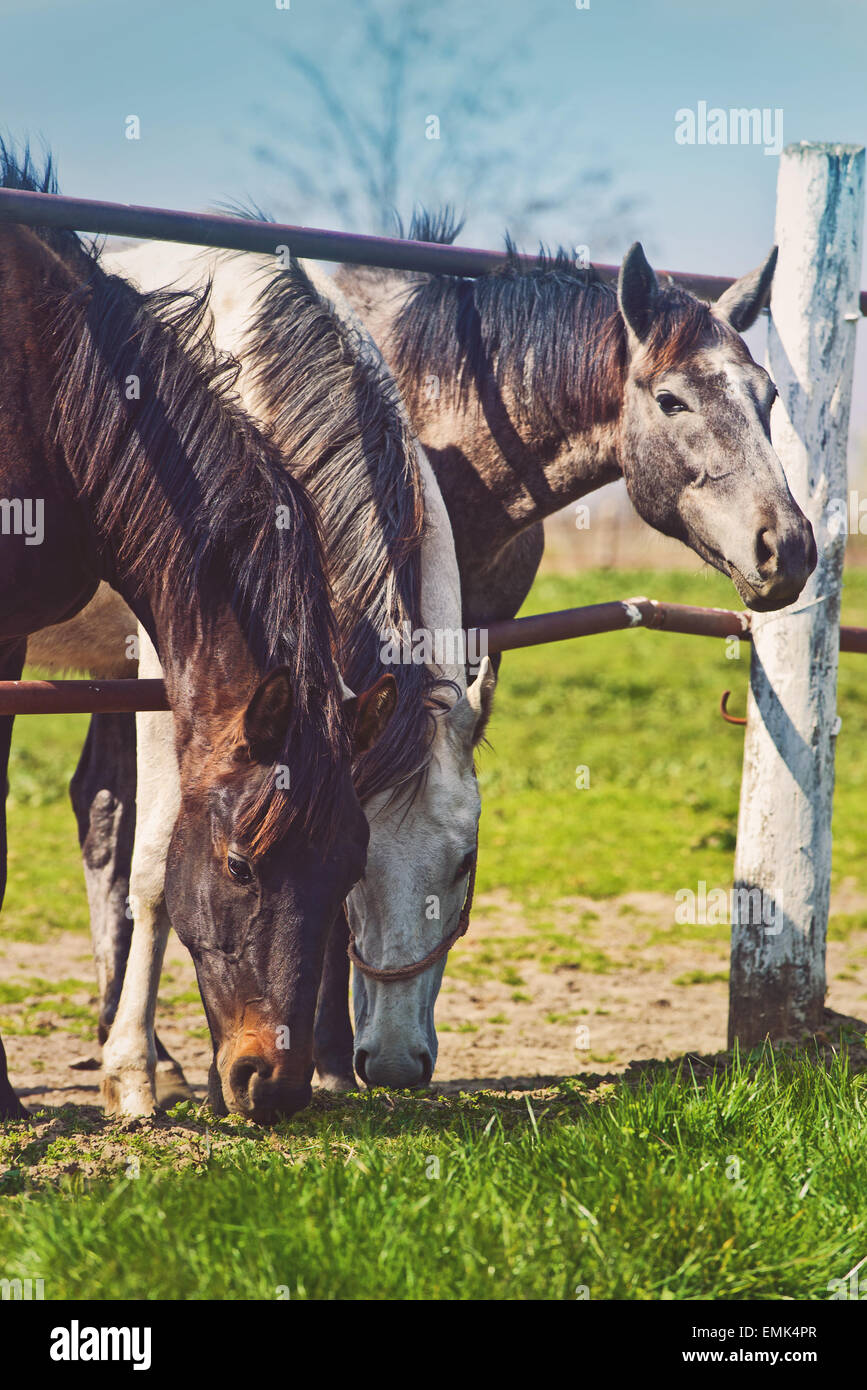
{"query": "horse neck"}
(211, 662)
(207, 666)
(499, 472)
(440, 595)
(193, 624)
(208, 657)
(440, 599)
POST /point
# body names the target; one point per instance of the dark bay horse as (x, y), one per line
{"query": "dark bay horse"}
(531, 386)
(120, 432)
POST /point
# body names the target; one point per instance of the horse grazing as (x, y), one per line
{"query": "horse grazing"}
(118, 424)
(312, 373)
(392, 562)
(531, 386)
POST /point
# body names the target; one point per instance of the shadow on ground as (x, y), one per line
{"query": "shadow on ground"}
(78, 1144)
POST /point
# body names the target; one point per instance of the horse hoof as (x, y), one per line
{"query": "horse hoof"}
(130, 1095)
(171, 1085)
(13, 1110)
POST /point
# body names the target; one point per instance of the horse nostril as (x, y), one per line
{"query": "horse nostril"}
(404, 1069)
(812, 553)
(243, 1071)
(766, 548)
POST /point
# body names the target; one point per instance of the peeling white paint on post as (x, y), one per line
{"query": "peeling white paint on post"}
(784, 826)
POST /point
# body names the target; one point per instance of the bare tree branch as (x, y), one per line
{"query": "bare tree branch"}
(364, 160)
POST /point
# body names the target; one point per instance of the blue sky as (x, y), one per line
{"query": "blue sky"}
(594, 88)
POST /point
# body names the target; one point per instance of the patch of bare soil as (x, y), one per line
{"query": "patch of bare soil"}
(62, 1065)
(504, 1019)
(662, 999)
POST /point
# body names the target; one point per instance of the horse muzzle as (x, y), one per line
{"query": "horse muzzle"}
(254, 1090)
(260, 1081)
(398, 1071)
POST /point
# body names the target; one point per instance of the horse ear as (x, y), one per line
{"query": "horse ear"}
(266, 718)
(746, 298)
(468, 716)
(637, 290)
(372, 713)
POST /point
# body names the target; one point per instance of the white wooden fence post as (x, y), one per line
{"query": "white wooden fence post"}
(784, 827)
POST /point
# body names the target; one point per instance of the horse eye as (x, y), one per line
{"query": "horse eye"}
(239, 869)
(465, 865)
(669, 404)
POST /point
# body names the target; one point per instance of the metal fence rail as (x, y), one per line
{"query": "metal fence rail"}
(243, 234)
(126, 696)
(315, 243)
(82, 697)
(636, 612)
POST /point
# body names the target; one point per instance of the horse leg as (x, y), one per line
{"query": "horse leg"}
(332, 1030)
(133, 1077)
(169, 1081)
(129, 1055)
(10, 1106)
(102, 792)
(11, 665)
(139, 1074)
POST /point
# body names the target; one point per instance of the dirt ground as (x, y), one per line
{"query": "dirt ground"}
(544, 1023)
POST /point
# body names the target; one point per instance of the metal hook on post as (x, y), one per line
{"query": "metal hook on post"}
(729, 718)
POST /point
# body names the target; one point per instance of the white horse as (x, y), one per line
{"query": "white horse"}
(422, 846)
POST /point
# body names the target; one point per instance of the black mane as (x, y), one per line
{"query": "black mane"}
(189, 492)
(547, 331)
(347, 437)
(539, 329)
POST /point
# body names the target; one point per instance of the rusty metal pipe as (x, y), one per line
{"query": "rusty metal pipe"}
(634, 612)
(639, 612)
(853, 639)
(315, 243)
(126, 696)
(82, 697)
(612, 617)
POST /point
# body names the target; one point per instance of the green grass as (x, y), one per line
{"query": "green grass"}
(45, 889)
(743, 1185)
(15, 992)
(751, 1184)
(47, 1000)
(641, 711)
